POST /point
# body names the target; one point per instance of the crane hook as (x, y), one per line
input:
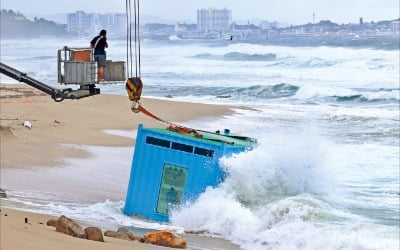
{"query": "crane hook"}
(135, 106)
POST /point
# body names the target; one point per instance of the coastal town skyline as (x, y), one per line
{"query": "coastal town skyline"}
(286, 12)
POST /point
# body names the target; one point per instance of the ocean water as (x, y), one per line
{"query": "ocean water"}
(324, 175)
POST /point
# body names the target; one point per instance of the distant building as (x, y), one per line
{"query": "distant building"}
(266, 25)
(158, 27)
(361, 21)
(213, 20)
(119, 26)
(106, 21)
(395, 26)
(79, 21)
(91, 23)
(183, 27)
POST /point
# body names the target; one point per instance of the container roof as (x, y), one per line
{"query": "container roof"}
(213, 138)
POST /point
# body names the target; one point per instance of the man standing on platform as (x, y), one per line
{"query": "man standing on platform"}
(99, 43)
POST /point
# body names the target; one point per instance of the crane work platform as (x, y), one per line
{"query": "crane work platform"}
(75, 66)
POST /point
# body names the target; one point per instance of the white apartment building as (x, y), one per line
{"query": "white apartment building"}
(395, 26)
(213, 20)
(91, 23)
(119, 26)
(79, 21)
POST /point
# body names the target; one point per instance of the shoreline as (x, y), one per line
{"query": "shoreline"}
(37, 235)
(59, 145)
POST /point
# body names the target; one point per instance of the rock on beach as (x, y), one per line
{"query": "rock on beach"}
(68, 226)
(165, 238)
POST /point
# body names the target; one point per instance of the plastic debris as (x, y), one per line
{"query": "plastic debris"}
(27, 124)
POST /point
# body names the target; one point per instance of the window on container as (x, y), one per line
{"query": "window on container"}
(182, 147)
(158, 142)
(204, 152)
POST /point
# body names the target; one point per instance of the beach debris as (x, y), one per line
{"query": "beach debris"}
(94, 233)
(3, 193)
(196, 232)
(223, 96)
(165, 238)
(68, 226)
(51, 222)
(27, 124)
(116, 235)
(131, 236)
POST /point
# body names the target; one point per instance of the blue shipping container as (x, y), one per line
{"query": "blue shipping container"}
(169, 168)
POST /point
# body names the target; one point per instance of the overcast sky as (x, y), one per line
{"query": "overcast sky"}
(286, 11)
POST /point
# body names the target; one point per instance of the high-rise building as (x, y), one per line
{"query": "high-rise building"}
(213, 20)
(80, 21)
(395, 26)
(106, 21)
(91, 23)
(119, 26)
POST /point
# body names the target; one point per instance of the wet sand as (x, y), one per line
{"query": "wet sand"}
(78, 122)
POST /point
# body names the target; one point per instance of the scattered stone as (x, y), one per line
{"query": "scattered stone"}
(5, 215)
(51, 222)
(3, 193)
(94, 233)
(26, 220)
(131, 236)
(68, 226)
(165, 238)
(116, 235)
(55, 121)
(41, 223)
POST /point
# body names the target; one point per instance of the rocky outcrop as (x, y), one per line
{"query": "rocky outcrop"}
(131, 236)
(68, 226)
(165, 238)
(117, 235)
(94, 233)
(3, 193)
(51, 222)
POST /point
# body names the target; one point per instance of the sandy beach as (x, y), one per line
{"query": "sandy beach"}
(56, 126)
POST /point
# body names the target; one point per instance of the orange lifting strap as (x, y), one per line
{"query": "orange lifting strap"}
(134, 87)
(184, 130)
(171, 126)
